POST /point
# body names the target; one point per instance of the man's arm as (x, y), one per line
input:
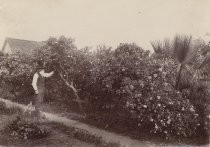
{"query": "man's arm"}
(34, 82)
(44, 74)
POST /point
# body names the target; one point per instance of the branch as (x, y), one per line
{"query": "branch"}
(79, 101)
(67, 83)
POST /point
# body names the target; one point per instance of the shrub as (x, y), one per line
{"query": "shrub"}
(2, 107)
(136, 91)
(16, 75)
(21, 129)
(10, 110)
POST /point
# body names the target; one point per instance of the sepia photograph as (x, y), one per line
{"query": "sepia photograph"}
(104, 73)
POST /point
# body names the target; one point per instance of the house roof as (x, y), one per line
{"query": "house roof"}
(23, 46)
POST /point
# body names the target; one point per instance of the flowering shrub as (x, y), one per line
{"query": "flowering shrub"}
(140, 89)
(157, 105)
(24, 130)
(11, 110)
(16, 74)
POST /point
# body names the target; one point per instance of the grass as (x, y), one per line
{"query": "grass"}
(83, 135)
(56, 138)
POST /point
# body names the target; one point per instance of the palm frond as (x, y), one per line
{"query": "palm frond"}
(181, 48)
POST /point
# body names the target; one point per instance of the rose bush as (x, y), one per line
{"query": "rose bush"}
(140, 91)
(158, 106)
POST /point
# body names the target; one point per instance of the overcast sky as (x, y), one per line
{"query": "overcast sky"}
(110, 22)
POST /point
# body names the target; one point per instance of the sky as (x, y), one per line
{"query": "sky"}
(104, 22)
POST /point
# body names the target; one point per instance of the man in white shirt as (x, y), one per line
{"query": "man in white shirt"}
(38, 84)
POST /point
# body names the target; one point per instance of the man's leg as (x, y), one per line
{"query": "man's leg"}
(41, 100)
(37, 104)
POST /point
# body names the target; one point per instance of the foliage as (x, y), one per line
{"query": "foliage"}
(8, 110)
(162, 49)
(84, 135)
(16, 72)
(24, 130)
(70, 64)
(140, 89)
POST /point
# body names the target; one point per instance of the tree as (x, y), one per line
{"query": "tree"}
(69, 62)
(162, 50)
(182, 52)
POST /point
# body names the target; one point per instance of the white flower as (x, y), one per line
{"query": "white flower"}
(149, 77)
(145, 106)
(159, 105)
(196, 115)
(165, 84)
(156, 127)
(128, 104)
(151, 119)
(160, 69)
(183, 109)
(169, 120)
(170, 103)
(155, 75)
(139, 95)
(192, 109)
(158, 97)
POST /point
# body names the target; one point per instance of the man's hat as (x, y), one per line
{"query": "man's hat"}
(40, 65)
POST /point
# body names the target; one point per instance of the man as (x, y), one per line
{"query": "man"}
(38, 84)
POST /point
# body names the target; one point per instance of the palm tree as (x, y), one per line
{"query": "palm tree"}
(162, 49)
(182, 52)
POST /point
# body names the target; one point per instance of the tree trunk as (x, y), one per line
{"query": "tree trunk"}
(79, 101)
(179, 77)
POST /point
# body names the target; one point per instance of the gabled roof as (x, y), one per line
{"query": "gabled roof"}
(22, 46)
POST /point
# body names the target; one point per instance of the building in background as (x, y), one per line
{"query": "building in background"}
(12, 46)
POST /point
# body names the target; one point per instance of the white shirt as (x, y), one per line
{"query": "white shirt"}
(36, 76)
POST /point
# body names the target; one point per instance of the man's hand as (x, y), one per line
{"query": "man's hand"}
(36, 92)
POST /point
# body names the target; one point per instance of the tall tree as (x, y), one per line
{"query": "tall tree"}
(182, 52)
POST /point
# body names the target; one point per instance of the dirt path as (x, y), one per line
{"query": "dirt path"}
(106, 136)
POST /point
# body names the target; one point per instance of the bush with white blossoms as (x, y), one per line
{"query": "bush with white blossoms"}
(155, 104)
(140, 91)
